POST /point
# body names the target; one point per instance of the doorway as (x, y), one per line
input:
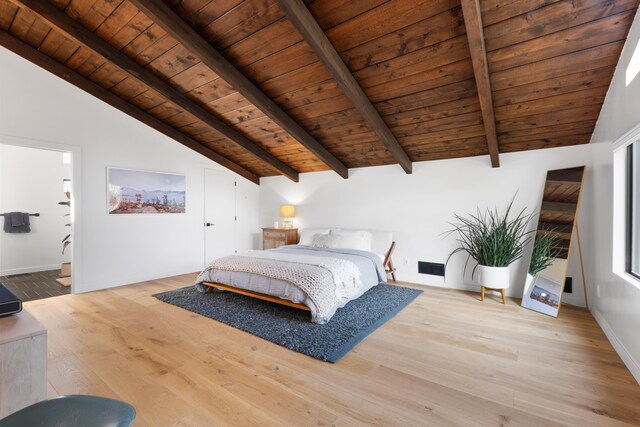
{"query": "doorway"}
(36, 235)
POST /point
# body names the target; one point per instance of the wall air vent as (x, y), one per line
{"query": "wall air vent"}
(432, 268)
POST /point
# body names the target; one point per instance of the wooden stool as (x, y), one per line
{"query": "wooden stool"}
(504, 299)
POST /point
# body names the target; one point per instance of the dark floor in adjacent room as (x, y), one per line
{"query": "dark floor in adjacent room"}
(33, 286)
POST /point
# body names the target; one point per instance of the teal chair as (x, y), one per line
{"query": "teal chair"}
(73, 411)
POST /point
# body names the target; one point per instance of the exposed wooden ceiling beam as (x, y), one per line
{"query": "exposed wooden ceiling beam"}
(170, 22)
(30, 54)
(307, 26)
(76, 31)
(475, 35)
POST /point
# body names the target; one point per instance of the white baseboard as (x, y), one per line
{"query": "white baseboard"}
(134, 279)
(627, 358)
(29, 269)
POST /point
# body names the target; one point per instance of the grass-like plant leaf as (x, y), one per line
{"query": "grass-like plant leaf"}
(67, 240)
(545, 250)
(491, 238)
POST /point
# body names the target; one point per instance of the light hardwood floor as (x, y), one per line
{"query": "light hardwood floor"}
(447, 359)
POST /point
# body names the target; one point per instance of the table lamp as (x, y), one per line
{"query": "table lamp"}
(287, 213)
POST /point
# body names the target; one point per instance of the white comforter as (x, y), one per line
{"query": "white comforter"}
(346, 275)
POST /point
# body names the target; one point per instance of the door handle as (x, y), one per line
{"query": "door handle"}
(208, 224)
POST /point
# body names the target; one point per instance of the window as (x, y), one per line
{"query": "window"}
(634, 65)
(633, 209)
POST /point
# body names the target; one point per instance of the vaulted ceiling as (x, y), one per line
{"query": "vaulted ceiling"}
(277, 87)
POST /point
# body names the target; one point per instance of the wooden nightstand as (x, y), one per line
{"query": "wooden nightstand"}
(276, 237)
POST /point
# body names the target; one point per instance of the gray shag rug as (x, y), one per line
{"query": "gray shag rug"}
(291, 327)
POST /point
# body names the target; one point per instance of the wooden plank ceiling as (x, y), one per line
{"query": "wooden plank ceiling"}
(549, 65)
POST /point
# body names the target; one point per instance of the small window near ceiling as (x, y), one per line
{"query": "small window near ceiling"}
(633, 209)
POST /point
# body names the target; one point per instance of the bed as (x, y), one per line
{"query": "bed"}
(322, 273)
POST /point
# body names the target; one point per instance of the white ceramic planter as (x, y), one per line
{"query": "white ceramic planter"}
(493, 277)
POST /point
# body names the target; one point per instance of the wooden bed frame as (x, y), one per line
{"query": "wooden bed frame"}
(387, 264)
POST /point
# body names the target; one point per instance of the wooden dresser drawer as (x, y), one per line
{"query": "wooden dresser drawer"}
(272, 244)
(276, 235)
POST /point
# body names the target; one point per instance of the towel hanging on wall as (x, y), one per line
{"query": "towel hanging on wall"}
(16, 222)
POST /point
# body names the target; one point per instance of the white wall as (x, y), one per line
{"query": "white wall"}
(617, 308)
(31, 181)
(419, 207)
(40, 109)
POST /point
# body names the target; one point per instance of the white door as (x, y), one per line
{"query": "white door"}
(247, 229)
(219, 214)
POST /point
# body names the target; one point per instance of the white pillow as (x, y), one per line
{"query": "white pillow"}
(306, 235)
(353, 239)
(325, 241)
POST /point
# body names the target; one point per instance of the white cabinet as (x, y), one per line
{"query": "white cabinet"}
(23, 362)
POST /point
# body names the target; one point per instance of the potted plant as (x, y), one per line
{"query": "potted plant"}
(545, 250)
(65, 268)
(494, 241)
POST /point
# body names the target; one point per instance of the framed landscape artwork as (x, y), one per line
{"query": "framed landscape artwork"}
(142, 192)
(544, 296)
